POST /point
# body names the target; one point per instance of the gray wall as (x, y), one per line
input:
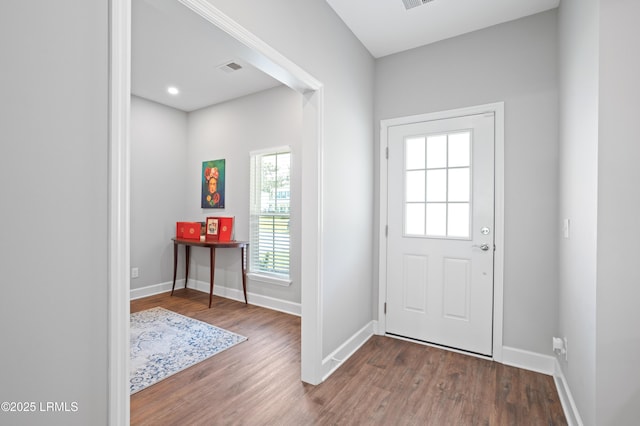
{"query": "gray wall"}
(53, 186)
(618, 289)
(516, 63)
(598, 283)
(231, 130)
(578, 57)
(158, 182)
(311, 35)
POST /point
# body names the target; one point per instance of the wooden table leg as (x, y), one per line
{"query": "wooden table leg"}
(175, 266)
(213, 268)
(187, 254)
(244, 273)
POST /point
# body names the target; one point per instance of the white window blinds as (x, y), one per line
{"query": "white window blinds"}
(270, 189)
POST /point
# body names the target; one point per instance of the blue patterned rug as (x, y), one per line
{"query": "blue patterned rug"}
(164, 343)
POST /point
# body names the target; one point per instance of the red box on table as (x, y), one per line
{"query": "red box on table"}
(225, 226)
(188, 230)
(219, 229)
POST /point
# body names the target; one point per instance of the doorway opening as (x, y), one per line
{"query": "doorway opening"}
(282, 69)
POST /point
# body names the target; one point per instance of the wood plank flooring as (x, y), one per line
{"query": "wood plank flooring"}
(387, 382)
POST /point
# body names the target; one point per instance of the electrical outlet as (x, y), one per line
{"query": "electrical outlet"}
(135, 272)
(560, 346)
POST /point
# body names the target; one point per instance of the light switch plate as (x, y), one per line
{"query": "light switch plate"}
(565, 228)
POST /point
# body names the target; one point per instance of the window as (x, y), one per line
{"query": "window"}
(270, 211)
(437, 178)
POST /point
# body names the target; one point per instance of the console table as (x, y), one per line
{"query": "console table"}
(213, 245)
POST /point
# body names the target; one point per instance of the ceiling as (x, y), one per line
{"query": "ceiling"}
(386, 27)
(172, 46)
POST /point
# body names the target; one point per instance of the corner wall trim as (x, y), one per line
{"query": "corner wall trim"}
(527, 360)
(118, 406)
(338, 357)
(285, 306)
(566, 399)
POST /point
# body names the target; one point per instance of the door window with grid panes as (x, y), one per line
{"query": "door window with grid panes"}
(437, 179)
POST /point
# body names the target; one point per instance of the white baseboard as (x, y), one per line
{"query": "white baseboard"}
(527, 360)
(151, 290)
(566, 399)
(222, 291)
(332, 362)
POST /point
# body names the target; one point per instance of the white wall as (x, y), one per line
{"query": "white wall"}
(516, 63)
(578, 58)
(230, 131)
(310, 34)
(53, 186)
(618, 289)
(158, 182)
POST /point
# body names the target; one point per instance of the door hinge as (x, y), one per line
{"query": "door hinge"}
(386, 153)
(385, 308)
(386, 230)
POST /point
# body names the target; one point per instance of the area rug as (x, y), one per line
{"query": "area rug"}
(164, 343)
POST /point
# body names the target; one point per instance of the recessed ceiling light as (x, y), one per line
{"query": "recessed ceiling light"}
(173, 90)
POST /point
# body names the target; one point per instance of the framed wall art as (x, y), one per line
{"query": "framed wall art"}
(213, 179)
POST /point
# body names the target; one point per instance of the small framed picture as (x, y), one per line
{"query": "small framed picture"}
(212, 228)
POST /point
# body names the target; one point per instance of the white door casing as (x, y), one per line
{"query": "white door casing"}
(441, 288)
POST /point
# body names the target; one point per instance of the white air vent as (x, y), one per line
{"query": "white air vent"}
(409, 4)
(230, 67)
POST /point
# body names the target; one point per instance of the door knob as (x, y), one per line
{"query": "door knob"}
(483, 247)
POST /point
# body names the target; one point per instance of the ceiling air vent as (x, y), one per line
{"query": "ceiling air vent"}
(409, 4)
(230, 67)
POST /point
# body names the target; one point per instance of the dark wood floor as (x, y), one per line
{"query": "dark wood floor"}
(387, 382)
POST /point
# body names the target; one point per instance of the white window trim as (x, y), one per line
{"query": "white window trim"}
(269, 279)
(284, 148)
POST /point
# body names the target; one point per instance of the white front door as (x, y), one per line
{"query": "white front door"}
(440, 244)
